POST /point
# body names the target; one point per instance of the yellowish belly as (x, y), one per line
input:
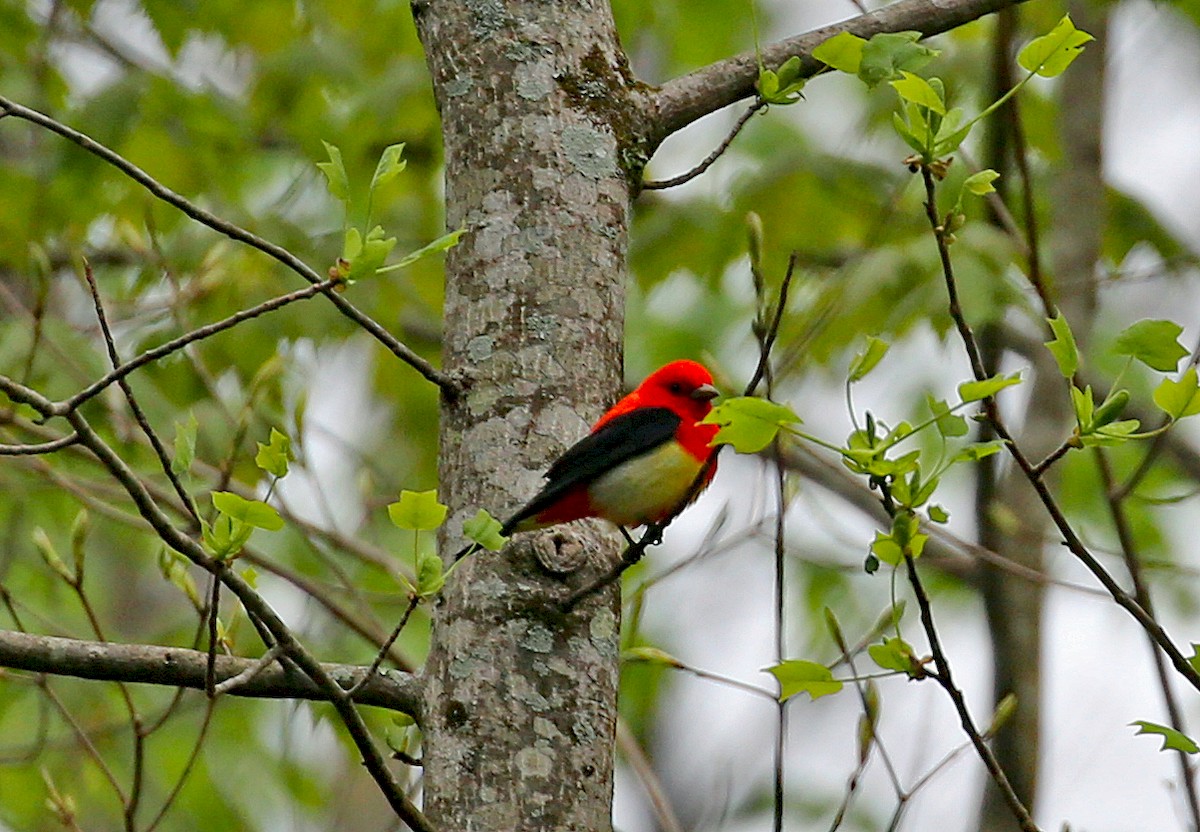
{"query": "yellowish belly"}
(645, 489)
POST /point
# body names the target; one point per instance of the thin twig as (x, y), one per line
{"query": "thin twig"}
(413, 600)
(668, 821)
(42, 448)
(946, 680)
(1129, 551)
(449, 387)
(674, 181)
(139, 415)
(234, 682)
(182, 341)
(1069, 538)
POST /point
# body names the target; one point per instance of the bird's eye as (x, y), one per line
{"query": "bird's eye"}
(675, 387)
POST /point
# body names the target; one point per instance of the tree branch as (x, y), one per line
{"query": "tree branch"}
(689, 97)
(179, 667)
(448, 386)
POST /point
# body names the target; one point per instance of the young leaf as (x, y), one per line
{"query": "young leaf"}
(1062, 347)
(1172, 739)
(800, 676)
(981, 183)
(1154, 343)
(973, 391)
(443, 243)
(430, 578)
(885, 547)
(418, 511)
(1179, 398)
(894, 654)
(978, 450)
(867, 360)
(1111, 434)
(1084, 404)
(916, 89)
(948, 424)
(748, 423)
(888, 54)
(485, 530)
(843, 52)
(274, 456)
(1053, 52)
(254, 513)
(372, 254)
(335, 173)
(937, 514)
(185, 444)
(389, 167)
(651, 655)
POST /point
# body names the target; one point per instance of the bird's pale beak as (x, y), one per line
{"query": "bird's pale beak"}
(705, 393)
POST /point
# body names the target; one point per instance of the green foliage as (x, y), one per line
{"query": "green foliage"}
(275, 456)
(802, 676)
(1062, 346)
(417, 511)
(749, 424)
(1173, 740)
(1053, 52)
(1154, 343)
(1179, 399)
(485, 530)
(868, 358)
(782, 86)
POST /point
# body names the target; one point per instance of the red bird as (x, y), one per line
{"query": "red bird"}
(640, 459)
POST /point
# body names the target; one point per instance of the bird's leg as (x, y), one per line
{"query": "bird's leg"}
(628, 537)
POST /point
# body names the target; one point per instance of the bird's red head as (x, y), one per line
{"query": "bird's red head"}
(686, 387)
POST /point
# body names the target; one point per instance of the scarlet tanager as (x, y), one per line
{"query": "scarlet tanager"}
(639, 461)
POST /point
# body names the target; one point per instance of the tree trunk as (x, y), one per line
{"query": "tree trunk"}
(520, 706)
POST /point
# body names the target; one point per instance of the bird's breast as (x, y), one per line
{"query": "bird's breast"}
(645, 489)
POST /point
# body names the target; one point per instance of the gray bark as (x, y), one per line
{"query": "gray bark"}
(520, 699)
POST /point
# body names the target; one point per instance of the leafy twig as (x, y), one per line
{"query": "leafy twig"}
(448, 386)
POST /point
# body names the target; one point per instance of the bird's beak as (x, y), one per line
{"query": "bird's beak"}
(705, 393)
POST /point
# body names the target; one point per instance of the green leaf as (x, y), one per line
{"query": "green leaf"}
(226, 536)
(888, 54)
(254, 513)
(948, 424)
(938, 514)
(389, 167)
(885, 547)
(417, 510)
(485, 530)
(843, 52)
(174, 567)
(748, 423)
(430, 577)
(782, 86)
(373, 253)
(185, 444)
(1110, 409)
(1053, 52)
(1111, 434)
(652, 655)
(978, 450)
(443, 243)
(905, 132)
(335, 173)
(973, 391)
(1172, 739)
(800, 676)
(868, 358)
(1179, 398)
(1194, 659)
(894, 654)
(1084, 404)
(1062, 347)
(274, 456)
(1154, 343)
(981, 183)
(916, 89)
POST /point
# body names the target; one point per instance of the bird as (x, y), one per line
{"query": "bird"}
(640, 460)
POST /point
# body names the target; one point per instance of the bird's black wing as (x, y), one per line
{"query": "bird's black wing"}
(623, 437)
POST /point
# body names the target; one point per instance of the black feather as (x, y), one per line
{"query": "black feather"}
(624, 437)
